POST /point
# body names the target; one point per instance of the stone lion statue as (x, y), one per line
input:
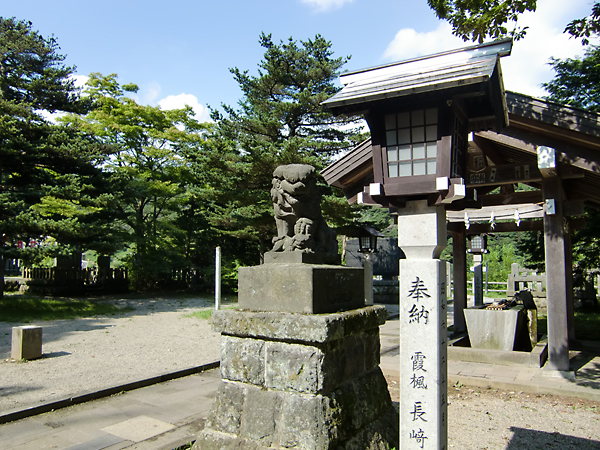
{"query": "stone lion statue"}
(297, 209)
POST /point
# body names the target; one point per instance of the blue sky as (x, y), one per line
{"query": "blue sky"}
(180, 51)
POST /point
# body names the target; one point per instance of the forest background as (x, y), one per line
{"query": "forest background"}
(92, 170)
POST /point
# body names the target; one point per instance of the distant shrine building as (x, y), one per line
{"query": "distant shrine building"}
(444, 136)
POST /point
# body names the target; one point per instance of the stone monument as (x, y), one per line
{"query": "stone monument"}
(300, 358)
(423, 328)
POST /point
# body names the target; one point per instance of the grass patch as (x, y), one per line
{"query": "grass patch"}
(587, 326)
(186, 446)
(29, 309)
(206, 314)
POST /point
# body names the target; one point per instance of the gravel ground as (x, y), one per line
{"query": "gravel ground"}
(490, 419)
(157, 337)
(90, 354)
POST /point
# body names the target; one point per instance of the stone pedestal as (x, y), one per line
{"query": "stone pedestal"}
(300, 288)
(300, 381)
(26, 343)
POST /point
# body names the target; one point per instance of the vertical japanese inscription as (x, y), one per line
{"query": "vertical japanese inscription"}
(419, 437)
(418, 292)
(418, 314)
(423, 402)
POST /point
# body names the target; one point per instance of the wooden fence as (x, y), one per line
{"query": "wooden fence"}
(73, 281)
(87, 276)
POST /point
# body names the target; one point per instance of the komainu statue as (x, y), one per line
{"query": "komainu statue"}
(297, 207)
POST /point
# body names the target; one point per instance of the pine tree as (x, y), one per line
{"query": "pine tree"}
(280, 120)
(50, 186)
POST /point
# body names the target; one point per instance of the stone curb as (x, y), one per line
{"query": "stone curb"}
(530, 388)
(95, 395)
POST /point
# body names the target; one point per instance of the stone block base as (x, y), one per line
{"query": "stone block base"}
(26, 343)
(300, 288)
(295, 381)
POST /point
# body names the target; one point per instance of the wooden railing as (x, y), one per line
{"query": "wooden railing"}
(87, 276)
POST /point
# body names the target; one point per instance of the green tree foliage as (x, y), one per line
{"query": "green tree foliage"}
(478, 20)
(32, 73)
(577, 81)
(50, 188)
(585, 244)
(503, 252)
(149, 150)
(380, 219)
(586, 27)
(280, 120)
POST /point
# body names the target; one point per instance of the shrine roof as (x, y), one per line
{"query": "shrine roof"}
(573, 132)
(461, 67)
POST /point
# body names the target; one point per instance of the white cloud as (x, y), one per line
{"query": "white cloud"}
(326, 5)
(80, 80)
(146, 94)
(150, 92)
(527, 67)
(408, 43)
(179, 101)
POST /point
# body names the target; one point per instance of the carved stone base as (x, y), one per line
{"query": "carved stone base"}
(297, 381)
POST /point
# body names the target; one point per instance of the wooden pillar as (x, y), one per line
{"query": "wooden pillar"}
(554, 235)
(459, 257)
(569, 275)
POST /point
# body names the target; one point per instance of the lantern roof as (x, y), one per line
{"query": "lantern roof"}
(464, 72)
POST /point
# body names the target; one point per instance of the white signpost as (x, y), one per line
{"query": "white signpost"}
(423, 328)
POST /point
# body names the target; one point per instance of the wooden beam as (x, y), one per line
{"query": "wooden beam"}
(510, 227)
(504, 174)
(565, 125)
(579, 157)
(467, 203)
(501, 213)
(512, 199)
(488, 149)
(503, 227)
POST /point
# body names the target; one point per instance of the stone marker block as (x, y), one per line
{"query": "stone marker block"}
(300, 288)
(26, 342)
(493, 329)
